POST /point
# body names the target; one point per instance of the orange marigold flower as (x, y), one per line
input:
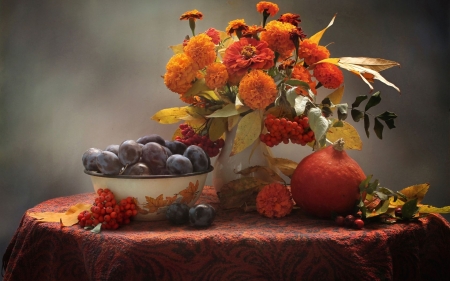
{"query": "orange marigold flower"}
(201, 49)
(274, 200)
(214, 34)
(277, 35)
(236, 26)
(248, 53)
(216, 75)
(311, 52)
(329, 75)
(293, 19)
(269, 7)
(180, 72)
(301, 73)
(194, 14)
(257, 89)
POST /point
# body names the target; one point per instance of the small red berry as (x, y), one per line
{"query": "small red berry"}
(398, 212)
(349, 220)
(358, 223)
(339, 220)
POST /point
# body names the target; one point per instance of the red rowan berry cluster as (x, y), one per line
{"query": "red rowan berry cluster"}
(283, 130)
(190, 137)
(107, 211)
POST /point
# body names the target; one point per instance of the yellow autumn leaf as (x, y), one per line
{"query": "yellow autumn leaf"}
(316, 37)
(266, 170)
(247, 132)
(235, 193)
(376, 64)
(177, 49)
(352, 140)
(364, 70)
(228, 110)
(416, 191)
(68, 218)
(233, 121)
(217, 128)
(170, 115)
(336, 96)
(286, 166)
(426, 209)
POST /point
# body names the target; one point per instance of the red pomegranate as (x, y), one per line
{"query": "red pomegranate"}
(326, 182)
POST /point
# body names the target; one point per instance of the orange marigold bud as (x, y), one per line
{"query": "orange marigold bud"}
(269, 7)
(274, 200)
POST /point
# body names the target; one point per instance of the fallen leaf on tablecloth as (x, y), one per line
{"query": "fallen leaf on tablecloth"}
(68, 218)
(236, 193)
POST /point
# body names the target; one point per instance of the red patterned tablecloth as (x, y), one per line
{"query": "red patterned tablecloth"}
(238, 246)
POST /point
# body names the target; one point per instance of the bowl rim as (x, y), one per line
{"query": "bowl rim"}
(97, 174)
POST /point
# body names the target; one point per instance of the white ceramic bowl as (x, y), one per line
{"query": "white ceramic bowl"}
(153, 194)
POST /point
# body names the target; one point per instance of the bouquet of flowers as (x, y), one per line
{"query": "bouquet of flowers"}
(264, 79)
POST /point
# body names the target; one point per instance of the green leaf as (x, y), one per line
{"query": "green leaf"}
(97, 228)
(295, 82)
(364, 183)
(356, 114)
(326, 111)
(388, 118)
(366, 124)
(409, 209)
(227, 111)
(300, 104)
(197, 87)
(374, 100)
(372, 187)
(342, 111)
(358, 101)
(318, 123)
(381, 209)
(378, 128)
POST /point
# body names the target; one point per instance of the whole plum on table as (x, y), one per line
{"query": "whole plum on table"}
(178, 165)
(155, 156)
(108, 163)
(178, 213)
(200, 160)
(202, 215)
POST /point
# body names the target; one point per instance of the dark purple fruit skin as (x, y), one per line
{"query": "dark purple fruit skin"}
(138, 169)
(176, 147)
(179, 165)
(169, 153)
(114, 148)
(200, 160)
(155, 156)
(90, 159)
(151, 138)
(108, 163)
(129, 152)
(202, 215)
(178, 213)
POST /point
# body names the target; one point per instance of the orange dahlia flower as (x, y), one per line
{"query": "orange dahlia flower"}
(248, 53)
(301, 73)
(311, 52)
(257, 89)
(274, 200)
(180, 72)
(329, 75)
(216, 75)
(269, 7)
(277, 35)
(237, 26)
(194, 14)
(201, 49)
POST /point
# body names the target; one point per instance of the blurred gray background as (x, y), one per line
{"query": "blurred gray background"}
(81, 74)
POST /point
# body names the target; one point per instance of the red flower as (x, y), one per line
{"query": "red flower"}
(248, 53)
(214, 34)
(329, 75)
